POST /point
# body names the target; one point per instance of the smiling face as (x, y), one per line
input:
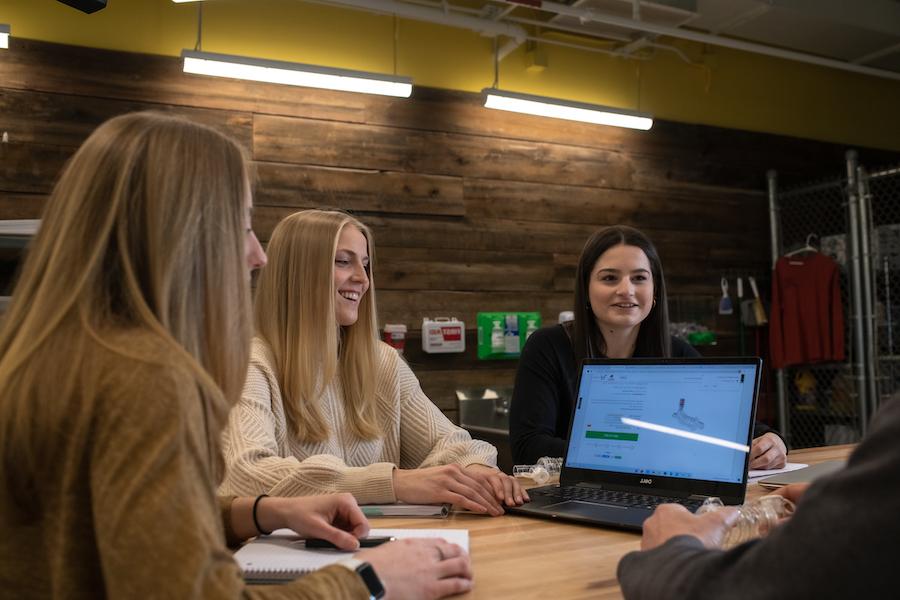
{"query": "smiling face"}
(351, 274)
(621, 288)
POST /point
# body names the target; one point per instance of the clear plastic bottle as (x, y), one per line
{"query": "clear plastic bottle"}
(497, 343)
(541, 472)
(756, 518)
(552, 464)
(511, 334)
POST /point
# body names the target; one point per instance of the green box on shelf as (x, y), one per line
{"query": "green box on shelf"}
(502, 335)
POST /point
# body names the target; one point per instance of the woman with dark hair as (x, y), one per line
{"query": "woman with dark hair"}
(621, 311)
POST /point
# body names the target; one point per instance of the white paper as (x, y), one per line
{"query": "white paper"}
(284, 552)
(787, 468)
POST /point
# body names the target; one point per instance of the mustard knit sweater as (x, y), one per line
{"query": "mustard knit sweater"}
(263, 456)
(127, 508)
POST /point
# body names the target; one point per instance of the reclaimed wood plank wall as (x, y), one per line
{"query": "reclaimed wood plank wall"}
(472, 210)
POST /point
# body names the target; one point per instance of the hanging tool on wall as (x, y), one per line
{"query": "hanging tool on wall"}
(759, 311)
(725, 306)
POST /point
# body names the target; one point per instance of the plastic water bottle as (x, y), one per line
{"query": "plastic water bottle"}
(497, 343)
(755, 518)
(541, 472)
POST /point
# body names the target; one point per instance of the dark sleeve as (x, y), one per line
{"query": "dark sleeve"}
(841, 542)
(760, 428)
(681, 349)
(535, 408)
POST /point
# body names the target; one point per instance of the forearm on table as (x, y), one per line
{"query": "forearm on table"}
(270, 515)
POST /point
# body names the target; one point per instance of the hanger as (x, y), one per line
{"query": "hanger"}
(807, 248)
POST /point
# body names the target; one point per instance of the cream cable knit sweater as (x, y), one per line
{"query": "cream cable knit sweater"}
(262, 456)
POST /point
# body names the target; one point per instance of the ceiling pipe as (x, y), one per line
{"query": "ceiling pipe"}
(877, 54)
(587, 15)
(486, 27)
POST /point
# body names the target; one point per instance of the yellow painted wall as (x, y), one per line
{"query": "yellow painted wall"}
(725, 88)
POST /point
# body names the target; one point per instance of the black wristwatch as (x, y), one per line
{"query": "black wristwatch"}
(367, 572)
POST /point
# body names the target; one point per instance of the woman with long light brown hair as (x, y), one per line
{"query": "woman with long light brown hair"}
(327, 407)
(122, 352)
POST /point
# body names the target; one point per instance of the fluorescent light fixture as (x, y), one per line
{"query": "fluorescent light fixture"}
(4, 36)
(707, 439)
(274, 71)
(185, 1)
(565, 109)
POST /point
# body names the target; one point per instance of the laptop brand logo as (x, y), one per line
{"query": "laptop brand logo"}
(646, 481)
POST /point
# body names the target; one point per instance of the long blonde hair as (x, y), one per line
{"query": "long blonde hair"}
(143, 232)
(294, 313)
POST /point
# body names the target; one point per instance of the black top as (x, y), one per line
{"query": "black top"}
(545, 390)
(841, 542)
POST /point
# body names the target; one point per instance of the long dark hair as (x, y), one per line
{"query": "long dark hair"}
(653, 336)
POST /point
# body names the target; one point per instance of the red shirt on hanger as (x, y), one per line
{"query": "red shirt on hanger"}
(807, 321)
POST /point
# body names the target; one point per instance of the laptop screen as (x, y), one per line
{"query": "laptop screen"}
(674, 420)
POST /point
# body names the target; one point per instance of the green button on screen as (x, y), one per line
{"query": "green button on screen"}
(612, 435)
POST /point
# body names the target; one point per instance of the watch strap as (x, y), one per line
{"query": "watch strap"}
(367, 573)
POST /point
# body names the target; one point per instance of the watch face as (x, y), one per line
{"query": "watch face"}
(365, 570)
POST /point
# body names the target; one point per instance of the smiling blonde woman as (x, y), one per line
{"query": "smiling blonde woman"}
(327, 407)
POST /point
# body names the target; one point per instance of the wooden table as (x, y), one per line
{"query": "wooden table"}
(520, 557)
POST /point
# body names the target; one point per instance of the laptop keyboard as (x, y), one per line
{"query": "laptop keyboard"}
(587, 494)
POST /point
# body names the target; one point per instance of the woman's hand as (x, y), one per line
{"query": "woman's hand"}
(334, 517)
(448, 483)
(768, 452)
(420, 569)
(670, 520)
(506, 489)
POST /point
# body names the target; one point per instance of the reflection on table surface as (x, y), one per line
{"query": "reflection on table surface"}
(520, 557)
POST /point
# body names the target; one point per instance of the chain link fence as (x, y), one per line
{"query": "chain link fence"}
(881, 193)
(855, 221)
(821, 399)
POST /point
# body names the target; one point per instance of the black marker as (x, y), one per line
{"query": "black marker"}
(369, 542)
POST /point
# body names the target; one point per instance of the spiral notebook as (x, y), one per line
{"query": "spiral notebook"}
(283, 556)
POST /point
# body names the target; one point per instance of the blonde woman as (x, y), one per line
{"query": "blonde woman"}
(121, 354)
(327, 407)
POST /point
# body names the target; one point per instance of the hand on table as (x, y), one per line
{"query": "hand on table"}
(420, 569)
(506, 489)
(670, 520)
(768, 452)
(447, 483)
(334, 517)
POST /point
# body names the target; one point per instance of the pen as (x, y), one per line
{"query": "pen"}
(369, 542)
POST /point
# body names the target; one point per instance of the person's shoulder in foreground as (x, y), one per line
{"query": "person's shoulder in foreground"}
(839, 543)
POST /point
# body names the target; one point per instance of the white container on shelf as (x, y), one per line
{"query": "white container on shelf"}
(443, 335)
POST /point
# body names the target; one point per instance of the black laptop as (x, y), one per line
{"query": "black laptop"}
(649, 431)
